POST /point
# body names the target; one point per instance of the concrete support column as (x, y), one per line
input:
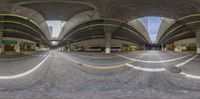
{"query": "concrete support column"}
(165, 49)
(40, 45)
(69, 47)
(107, 42)
(144, 47)
(63, 48)
(26, 47)
(180, 46)
(17, 47)
(1, 37)
(1, 43)
(162, 47)
(198, 41)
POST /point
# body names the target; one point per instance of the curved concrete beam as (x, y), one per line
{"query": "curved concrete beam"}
(84, 17)
(191, 22)
(31, 15)
(77, 20)
(60, 1)
(110, 25)
(165, 24)
(139, 26)
(20, 32)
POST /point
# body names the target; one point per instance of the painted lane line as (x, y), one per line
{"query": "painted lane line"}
(95, 66)
(25, 73)
(185, 62)
(146, 69)
(163, 61)
(91, 56)
(190, 76)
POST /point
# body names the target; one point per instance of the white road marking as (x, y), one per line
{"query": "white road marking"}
(186, 74)
(163, 61)
(187, 61)
(146, 69)
(25, 73)
(190, 76)
(87, 56)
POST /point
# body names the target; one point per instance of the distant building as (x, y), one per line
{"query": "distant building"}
(50, 30)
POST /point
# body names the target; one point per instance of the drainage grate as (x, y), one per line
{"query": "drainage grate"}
(175, 70)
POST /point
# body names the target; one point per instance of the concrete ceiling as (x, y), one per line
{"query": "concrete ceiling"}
(123, 10)
(118, 9)
(184, 27)
(97, 28)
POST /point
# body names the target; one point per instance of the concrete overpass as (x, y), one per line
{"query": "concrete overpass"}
(103, 50)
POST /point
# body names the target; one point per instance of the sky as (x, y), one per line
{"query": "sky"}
(152, 25)
(55, 27)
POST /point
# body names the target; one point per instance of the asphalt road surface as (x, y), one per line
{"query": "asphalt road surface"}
(133, 75)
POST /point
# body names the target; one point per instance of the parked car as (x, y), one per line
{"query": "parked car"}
(78, 49)
(94, 49)
(115, 49)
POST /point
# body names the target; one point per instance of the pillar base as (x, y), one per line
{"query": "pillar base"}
(1, 49)
(17, 51)
(198, 51)
(107, 50)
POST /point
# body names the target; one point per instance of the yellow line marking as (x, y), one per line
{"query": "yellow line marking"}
(188, 16)
(99, 67)
(19, 16)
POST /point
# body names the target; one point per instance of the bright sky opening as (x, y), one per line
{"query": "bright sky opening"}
(55, 27)
(152, 25)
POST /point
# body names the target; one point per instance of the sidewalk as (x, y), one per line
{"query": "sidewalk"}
(7, 56)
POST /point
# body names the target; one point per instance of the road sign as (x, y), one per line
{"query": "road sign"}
(8, 42)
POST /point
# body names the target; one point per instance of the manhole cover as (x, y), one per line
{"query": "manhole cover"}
(175, 70)
(80, 64)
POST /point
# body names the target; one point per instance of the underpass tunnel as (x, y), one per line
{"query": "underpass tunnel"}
(106, 31)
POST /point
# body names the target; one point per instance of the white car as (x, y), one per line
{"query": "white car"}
(78, 49)
(94, 49)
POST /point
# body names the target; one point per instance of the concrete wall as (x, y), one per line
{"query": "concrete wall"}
(181, 44)
(18, 39)
(17, 46)
(101, 43)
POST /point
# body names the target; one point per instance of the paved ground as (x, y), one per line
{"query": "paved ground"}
(16, 64)
(145, 75)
